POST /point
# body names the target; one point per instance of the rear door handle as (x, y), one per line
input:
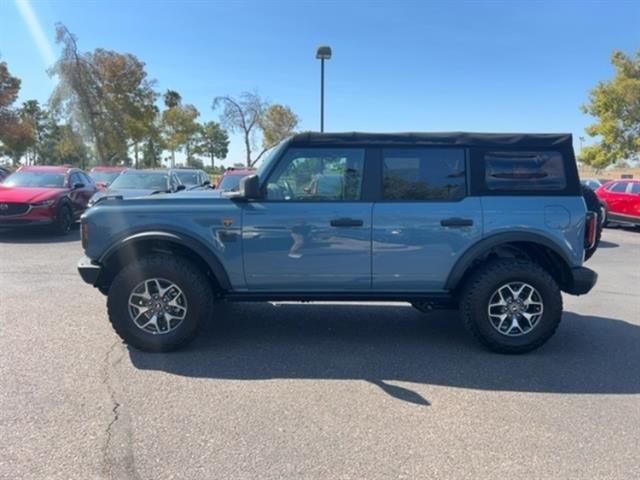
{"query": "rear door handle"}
(346, 222)
(456, 222)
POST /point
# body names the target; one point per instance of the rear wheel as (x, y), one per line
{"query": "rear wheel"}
(511, 306)
(157, 303)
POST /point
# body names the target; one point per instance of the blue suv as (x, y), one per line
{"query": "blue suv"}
(494, 224)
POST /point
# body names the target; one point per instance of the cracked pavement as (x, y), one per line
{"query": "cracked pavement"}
(311, 391)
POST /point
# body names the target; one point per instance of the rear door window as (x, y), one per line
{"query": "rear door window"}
(524, 170)
(414, 174)
(635, 188)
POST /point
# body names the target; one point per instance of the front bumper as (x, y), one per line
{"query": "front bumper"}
(582, 281)
(25, 222)
(89, 271)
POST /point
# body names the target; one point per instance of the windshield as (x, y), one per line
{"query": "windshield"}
(35, 179)
(104, 177)
(268, 158)
(142, 180)
(189, 178)
(230, 183)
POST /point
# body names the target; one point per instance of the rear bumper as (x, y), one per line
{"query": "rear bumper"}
(89, 271)
(582, 281)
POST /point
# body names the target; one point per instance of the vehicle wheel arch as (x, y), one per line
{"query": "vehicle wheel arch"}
(526, 245)
(136, 245)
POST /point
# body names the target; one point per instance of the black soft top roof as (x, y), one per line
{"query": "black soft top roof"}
(528, 140)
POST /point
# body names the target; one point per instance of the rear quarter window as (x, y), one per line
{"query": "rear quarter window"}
(524, 171)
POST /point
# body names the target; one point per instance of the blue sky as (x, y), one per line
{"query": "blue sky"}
(397, 66)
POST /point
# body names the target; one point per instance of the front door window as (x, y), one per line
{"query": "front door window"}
(318, 174)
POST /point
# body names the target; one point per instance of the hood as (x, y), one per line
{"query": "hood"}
(29, 194)
(124, 193)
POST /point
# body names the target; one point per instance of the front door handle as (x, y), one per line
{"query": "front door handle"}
(346, 222)
(456, 222)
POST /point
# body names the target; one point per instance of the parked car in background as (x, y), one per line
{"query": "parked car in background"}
(138, 183)
(45, 195)
(592, 183)
(231, 178)
(621, 199)
(105, 175)
(4, 173)
(193, 178)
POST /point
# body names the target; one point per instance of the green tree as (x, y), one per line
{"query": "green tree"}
(249, 114)
(10, 130)
(615, 104)
(17, 139)
(242, 115)
(70, 147)
(106, 94)
(32, 113)
(172, 98)
(277, 123)
(212, 141)
(178, 127)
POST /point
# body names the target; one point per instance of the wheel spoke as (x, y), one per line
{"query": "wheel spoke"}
(502, 318)
(141, 311)
(528, 317)
(514, 324)
(152, 321)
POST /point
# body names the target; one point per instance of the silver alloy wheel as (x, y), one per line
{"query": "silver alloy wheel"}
(157, 306)
(603, 215)
(515, 309)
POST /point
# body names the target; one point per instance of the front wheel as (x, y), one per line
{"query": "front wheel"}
(511, 306)
(64, 220)
(157, 303)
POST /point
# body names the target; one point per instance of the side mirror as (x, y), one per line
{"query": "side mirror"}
(179, 188)
(78, 185)
(206, 182)
(250, 187)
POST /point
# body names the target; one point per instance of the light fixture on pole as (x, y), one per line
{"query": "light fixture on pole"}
(322, 53)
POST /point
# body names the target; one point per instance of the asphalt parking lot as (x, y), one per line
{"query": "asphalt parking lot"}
(312, 391)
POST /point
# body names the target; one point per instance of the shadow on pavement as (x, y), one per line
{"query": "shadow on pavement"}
(35, 235)
(379, 344)
(605, 244)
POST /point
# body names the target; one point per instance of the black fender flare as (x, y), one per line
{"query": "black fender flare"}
(193, 244)
(483, 247)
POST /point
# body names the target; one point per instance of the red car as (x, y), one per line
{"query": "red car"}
(45, 195)
(104, 176)
(230, 181)
(622, 200)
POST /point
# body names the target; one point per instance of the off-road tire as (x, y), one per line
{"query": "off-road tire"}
(178, 270)
(593, 205)
(477, 293)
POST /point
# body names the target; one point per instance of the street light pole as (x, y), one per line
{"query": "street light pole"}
(323, 53)
(322, 94)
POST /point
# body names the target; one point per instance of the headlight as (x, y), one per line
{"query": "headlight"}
(84, 234)
(45, 203)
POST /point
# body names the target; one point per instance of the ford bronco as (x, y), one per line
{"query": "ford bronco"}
(492, 224)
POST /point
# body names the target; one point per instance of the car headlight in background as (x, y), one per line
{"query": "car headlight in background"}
(45, 203)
